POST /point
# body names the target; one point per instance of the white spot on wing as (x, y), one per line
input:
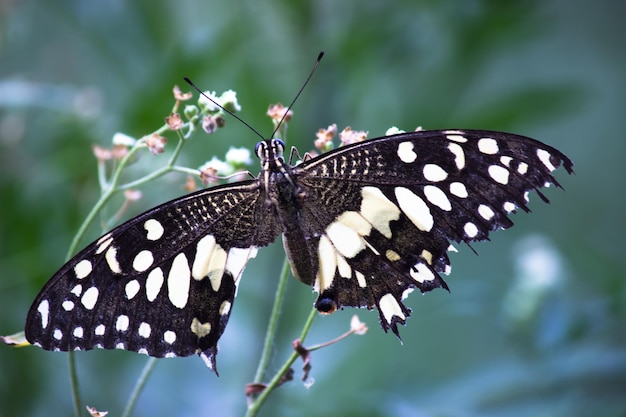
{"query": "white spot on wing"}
(154, 228)
(508, 206)
(237, 260)
(327, 257)
(68, 305)
(225, 308)
(455, 135)
(342, 266)
(111, 258)
(406, 152)
(144, 330)
(420, 272)
(89, 298)
(488, 146)
(169, 336)
(57, 334)
(437, 197)
(78, 332)
(99, 330)
(345, 239)
(459, 155)
(154, 282)
(121, 324)
(360, 278)
(544, 157)
(83, 268)
(485, 212)
(415, 209)
(178, 281)
(522, 168)
(44, 310)
(210, 261)
(470, 229)
(131, 289)
(103, 243)
(143, 261)
(458, 189)
(77, 290)
(378, 210)
(435, 173)
(200, 329)
(499, 174)
(390, 307)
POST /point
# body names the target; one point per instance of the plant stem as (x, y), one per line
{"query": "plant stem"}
(254, 408)
(78, 410)
(270, 335)
(139, 385)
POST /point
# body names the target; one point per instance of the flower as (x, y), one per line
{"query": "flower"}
(123, 139)
(156, 143)
(174, 121)
(324, 141)
(228, 100)
(349, 136)
(277, 111)
(179, 95)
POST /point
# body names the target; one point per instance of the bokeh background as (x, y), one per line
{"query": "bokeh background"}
(534, 325)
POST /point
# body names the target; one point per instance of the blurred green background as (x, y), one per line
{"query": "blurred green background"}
(534, 325)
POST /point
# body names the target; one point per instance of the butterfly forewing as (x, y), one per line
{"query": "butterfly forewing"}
(162, 283)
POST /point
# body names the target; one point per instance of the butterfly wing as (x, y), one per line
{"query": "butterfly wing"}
(387, 209)
(162, 283)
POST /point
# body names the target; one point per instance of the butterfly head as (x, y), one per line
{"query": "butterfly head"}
(270, 151)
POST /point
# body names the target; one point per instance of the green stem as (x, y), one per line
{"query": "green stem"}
(139, 385)
(254, 408)
(78, 410)
(270, 335)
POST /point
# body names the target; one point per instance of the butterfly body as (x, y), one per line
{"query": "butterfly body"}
(364, 225)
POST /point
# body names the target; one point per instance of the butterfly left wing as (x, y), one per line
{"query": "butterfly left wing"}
(162, 283)
(386, 210)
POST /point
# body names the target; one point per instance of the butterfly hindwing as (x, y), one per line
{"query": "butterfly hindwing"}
(162, 283)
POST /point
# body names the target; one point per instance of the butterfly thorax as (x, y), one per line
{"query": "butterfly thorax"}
(286, 198)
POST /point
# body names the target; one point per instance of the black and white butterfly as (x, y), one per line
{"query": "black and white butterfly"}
(364, 225)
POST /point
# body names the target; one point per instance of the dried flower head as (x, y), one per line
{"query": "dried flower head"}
(349, 136)
(119, 151)
(211, 123)
(102, 154)
(179, 95)
(156, 143)
(190, 184)
(123, 139)
(174, 121)
(132, 195)
(393, 131)
(324, 141)
(228, 100)
(357, 326)
(95, 413)
(211, 171)
(277, 111)
(238, 156)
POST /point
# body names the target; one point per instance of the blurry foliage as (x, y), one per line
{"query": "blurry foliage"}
(73, 73)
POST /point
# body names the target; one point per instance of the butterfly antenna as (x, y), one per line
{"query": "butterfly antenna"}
(317, 61)
(195, 87)
(221, 107)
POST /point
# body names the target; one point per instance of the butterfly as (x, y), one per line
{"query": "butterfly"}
(363, 225)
